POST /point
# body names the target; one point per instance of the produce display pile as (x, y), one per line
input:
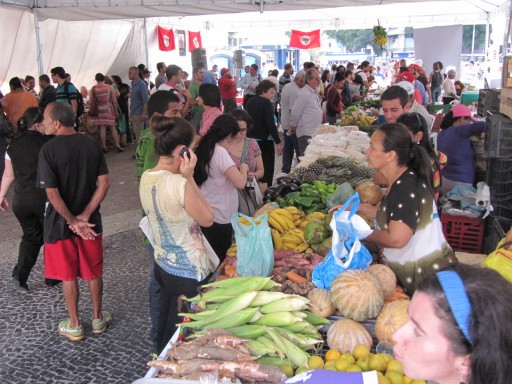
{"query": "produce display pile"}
(344, 142)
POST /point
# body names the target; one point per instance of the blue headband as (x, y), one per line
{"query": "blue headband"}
(458, 300)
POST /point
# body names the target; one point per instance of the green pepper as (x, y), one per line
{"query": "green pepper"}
(306, 202)
(281, 201)
(310, 193)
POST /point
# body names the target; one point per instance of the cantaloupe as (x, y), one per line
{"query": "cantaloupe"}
(357, 294)
(392, 317)
(343, 335)
(321, 302)
(386, 278)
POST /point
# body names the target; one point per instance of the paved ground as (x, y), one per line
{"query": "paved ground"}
(32, 351)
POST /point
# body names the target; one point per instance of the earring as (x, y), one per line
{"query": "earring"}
(462, 380)
(418, 142)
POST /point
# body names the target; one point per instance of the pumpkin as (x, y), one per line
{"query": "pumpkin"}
(357, 294)
(386, 277)
(321, 302)
(392, 317)
(343, 335)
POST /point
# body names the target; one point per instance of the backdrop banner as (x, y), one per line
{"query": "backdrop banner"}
(442, 44)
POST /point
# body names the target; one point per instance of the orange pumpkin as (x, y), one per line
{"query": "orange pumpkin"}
(392, 317)
(386, 277)
(343, 335)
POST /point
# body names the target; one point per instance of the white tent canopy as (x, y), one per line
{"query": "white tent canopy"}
(108, 36)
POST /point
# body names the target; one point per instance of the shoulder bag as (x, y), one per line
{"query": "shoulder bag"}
(247, 202)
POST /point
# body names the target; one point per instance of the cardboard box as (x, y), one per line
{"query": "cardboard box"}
(507, 72)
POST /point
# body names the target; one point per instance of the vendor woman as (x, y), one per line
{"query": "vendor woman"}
(408, 227)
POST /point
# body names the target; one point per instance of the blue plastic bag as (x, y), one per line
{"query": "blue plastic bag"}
(347, 252)
(255, 252)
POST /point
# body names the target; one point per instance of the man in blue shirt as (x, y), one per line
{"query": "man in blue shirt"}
(138, 102)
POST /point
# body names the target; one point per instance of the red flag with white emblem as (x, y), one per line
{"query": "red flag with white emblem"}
(194, 41)
(305, 40)
(166, 39)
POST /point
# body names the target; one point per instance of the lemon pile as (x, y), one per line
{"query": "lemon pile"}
(388, 369)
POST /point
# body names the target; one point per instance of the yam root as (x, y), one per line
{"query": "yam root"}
(185, 367)
(295, 277)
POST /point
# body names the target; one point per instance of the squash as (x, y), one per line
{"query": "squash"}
(386, 277)
(392, 317)
(357, 294)
(343, 335)
(321, 302)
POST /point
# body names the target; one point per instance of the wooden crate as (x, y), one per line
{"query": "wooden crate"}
(506, 101)
(507, 72)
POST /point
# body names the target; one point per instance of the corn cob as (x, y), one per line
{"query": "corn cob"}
(234, 320)
(269, 343)
(277, 319)
(300, 314)
(248, 331)
(228, 283)
(266, 297)
(291, 303)
(296, 327)
(269, 285)
(257, 348)
(273, 361)
(297, 356)
(232, 306)
(315, 319)
(197, 315)
(246, 284)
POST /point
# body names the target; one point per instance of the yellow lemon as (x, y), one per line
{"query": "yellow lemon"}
(378, 362)
(287, 369)
(349, 357)
(395, 365)
(395, 377)
(315, 362)
(407, 380)
(361, 351)
(418, 382)
(332, 354)
(329, 364)
(353, 368)
(364, 364)
(384, 380)
(341, 364)
(388, 357)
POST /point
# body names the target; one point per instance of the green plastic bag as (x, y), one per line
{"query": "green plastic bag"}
(340, 196)
(255, 252)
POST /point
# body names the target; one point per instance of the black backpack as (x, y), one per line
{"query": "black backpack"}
(79, 100)
(437, 79)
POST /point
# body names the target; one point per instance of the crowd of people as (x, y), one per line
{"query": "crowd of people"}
(197, 149)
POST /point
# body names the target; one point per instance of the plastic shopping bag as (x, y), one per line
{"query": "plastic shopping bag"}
(255, 252)
(347, 251)
(501, 260)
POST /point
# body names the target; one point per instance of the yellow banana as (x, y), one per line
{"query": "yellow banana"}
(303, 224)
(276, 237)
(289, 246)
(275, 224)
(309, 250)
(297, 222)
(244, 221)
(283, 212)
(282, 220)
(291, 239)
(315, 216)
(292, 209)
(302, 247)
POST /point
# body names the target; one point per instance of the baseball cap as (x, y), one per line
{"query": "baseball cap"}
(223, 71)
(415, 67)
(460, 110)
(407, 86)
(407, 76)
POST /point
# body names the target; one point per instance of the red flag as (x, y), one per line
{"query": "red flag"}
(166, 39)
(305, 40)
(194, 41)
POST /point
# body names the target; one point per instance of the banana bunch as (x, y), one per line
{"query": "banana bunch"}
(283, 227)
(279, 327)
(380, 40)
(232, 250)
(380, 35)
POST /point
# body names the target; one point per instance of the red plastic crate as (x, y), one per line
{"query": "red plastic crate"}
(463, 233)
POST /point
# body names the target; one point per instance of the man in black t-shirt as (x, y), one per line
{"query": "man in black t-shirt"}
(74, 173)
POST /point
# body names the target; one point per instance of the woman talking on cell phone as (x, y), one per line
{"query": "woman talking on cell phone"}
(176, 209)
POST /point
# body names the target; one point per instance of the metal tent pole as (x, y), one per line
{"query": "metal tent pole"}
(39, 46)
(146, 49)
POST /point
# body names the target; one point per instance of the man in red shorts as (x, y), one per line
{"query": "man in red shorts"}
(74, 173)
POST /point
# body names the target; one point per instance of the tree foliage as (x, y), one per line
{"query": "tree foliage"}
(355, 39)
(467, 38)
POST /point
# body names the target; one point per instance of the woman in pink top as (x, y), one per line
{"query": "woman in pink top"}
(218, 177)
(209, 99)
(104, 98)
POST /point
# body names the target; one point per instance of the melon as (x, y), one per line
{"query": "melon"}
(386, 278)
(321, 302)
(357, 294)
(345, 334)
(392, 317)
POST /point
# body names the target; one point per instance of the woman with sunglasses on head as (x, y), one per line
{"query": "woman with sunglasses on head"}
(28, 201)
(175, 208)
(454, 140)
(418, 126)
(459, 329)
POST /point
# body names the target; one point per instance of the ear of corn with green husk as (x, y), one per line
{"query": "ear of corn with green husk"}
(235, 320)
(278, 319)
(266, 297)
(297, 356)
(292, 303)
(269, 343)
(248, 331)
(257, 348)
(274, 361)
(315, 319)
(227, 283)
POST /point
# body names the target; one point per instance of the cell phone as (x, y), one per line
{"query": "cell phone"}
(183, 151)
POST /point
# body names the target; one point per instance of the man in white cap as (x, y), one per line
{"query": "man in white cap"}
(414, 105)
